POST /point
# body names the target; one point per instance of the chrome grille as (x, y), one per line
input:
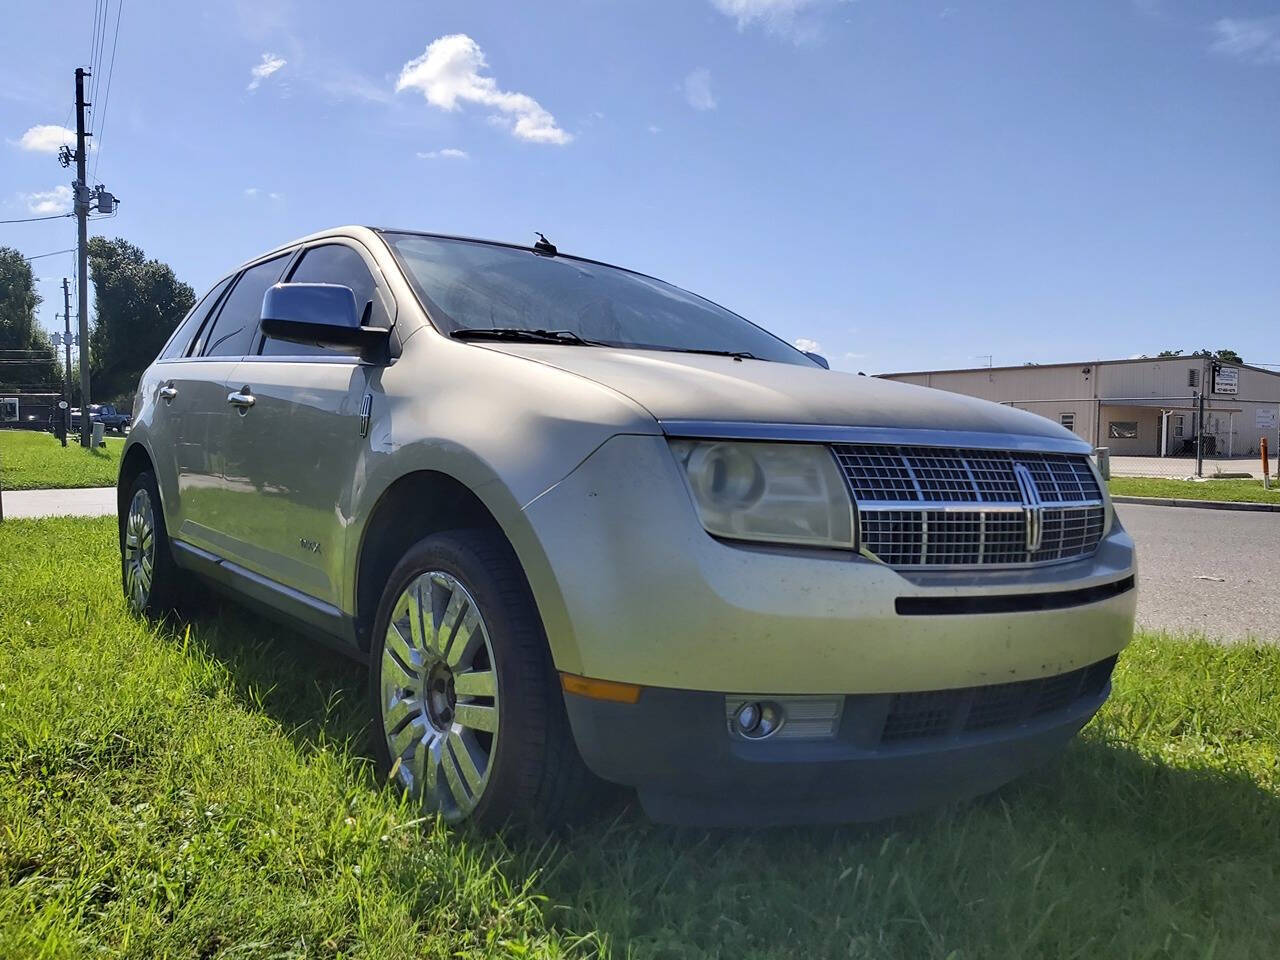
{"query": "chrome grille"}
(941, 507)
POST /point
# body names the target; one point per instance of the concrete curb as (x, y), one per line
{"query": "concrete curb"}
(1202, 504)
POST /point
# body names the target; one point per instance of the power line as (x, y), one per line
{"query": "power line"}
(52, 216)
(53, 254)
(101, 42)
(93, 33)
(106, 100)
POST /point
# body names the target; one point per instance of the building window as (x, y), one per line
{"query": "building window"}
(1179, 425)
(1123, 430)
(1193, 377)
(1068, 420)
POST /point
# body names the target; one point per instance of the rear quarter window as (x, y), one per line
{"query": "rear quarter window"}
(186, 330)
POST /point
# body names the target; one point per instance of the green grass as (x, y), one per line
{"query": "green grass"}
(1234, 490)
(30, 461)
(203, 790)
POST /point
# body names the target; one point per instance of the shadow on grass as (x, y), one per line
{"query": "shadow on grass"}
(1106, 851)
(314, 692)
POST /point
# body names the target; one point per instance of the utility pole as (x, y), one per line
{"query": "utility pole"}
(1200, 433)
(66, 346)
(82, 256)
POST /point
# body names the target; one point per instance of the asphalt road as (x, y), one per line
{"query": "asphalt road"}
(1178, 546)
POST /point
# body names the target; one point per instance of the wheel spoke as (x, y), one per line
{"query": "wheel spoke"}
(465, 755)
(479, 683)
(431, 769)
(453, 778)
(398, 652)
(477, 717)
(452, 618)
(396, 709)
(403, 739)
(469, 641)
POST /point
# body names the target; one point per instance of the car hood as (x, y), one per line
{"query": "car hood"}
(695, 387)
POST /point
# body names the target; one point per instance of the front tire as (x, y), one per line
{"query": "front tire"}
(148, 574)
(468, 716)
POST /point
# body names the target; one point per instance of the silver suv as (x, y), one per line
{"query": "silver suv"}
(583, 524)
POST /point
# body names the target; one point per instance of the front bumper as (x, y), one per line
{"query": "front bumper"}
(631, 588)
(677, 749)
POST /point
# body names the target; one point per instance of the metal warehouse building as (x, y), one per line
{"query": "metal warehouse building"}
(1148, 406)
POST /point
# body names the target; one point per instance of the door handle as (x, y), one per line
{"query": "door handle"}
(242, 399)
(168, 392)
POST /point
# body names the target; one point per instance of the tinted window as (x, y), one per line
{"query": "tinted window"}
(332, 263)
(237, 321)
(181, 339)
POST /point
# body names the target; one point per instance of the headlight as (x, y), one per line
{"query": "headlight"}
(776, 492)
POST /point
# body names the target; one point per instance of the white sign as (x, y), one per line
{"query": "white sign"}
(1226, 380)
(1264, 419)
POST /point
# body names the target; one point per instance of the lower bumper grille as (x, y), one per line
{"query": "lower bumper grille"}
(944, 713)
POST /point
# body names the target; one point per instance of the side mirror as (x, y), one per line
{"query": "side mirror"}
(817, 358)
(321, 313)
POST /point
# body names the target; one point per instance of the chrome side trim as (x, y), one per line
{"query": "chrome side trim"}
(892, 436)
(293, 606)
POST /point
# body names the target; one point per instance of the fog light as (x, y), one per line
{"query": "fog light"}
(756, 720)
(783, 716)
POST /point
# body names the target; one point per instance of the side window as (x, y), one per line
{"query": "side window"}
(181, 338)
(237, 321)
(331, 263)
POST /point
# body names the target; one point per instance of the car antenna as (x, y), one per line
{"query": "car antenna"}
(544, 246)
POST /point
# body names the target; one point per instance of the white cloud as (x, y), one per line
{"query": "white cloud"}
(253, 192)
(1255, 40)
(270, 64)
(780, 16)
(807, 345)
(47, 202)
(47, 138)
(697, 90)
(448, 153)
(654, 128)
(250, 191)
(450, 71)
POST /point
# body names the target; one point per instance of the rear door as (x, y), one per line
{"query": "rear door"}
(200, 413)
(292, 455)
(167, 390)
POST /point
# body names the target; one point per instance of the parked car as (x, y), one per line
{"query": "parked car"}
(582, 523)
(111, 419)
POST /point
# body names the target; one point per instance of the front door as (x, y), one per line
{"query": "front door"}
(199, 408)
(295, 444)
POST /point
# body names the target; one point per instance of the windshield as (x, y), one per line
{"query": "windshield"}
(469, 285)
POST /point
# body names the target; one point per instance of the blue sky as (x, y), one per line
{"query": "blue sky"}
(907, 184)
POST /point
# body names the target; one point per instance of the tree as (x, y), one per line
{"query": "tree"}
(1226, 356)
(137, 302)
(21, 337)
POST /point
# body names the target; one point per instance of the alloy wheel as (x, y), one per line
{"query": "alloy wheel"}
(139, 550)
(439, 695)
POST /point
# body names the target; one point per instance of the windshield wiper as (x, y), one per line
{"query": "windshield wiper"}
(736, 354)
(520, 334)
